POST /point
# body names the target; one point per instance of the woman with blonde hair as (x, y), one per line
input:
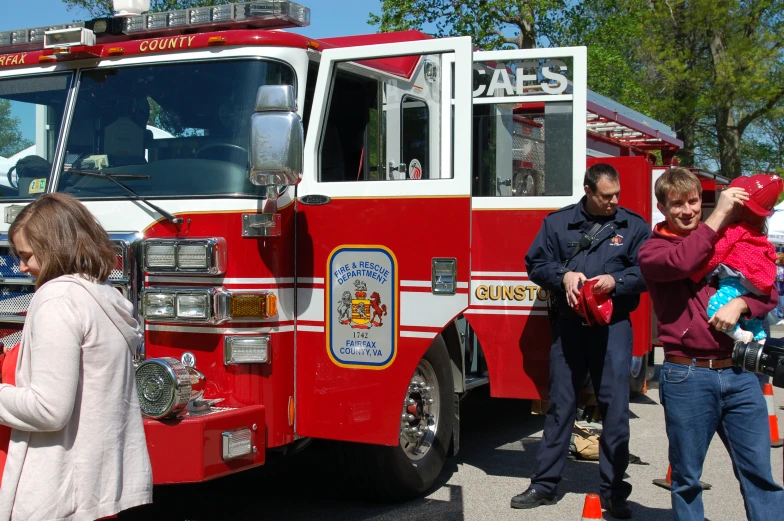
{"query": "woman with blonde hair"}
(77, 449)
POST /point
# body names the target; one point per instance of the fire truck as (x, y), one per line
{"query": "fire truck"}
(322, 238)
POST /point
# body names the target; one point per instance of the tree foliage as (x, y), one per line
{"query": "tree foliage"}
(98, 8)
(711, 69)
(493, 24)
(716, 61)
(11, 140)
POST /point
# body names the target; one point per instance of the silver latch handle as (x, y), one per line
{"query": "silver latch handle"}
(400, 168)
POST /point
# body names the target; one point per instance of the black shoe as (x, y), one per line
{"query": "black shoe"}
(532, 499)
(618, 508)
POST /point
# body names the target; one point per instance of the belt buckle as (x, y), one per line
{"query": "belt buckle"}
(710, 363)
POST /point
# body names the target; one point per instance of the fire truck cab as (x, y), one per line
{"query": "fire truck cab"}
(321, 238)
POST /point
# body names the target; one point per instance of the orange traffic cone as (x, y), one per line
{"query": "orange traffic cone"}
(775, 439)
(667, 483)
(592, 508)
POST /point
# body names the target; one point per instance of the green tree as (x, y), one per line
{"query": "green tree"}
(724, 58)
(492, 24)
(762, 148)
(98, 8)
(11, 140)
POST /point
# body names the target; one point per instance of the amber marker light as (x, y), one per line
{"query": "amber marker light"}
(216, 40)
(115, 51)
(291, 411)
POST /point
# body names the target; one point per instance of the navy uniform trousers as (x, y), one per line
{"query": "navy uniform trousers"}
(605, 352)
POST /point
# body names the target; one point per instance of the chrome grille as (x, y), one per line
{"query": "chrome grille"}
(9, 265)
(15, 299)
(10, 337)
(120, 272)
(17, 289)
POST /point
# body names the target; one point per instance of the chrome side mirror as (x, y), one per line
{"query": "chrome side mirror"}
(276, 138)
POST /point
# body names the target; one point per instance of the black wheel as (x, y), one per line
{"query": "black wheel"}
(427, 414)
(636, 383)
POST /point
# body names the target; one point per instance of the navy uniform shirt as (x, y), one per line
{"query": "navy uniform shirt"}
(613, 252)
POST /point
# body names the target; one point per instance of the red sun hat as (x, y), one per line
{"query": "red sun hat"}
(763, 189)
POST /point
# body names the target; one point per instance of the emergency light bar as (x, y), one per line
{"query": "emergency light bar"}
(259, 14)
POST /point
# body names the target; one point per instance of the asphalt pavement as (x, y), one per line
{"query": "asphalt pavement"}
(495, 462)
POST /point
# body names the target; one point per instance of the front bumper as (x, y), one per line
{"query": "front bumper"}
(189, 449)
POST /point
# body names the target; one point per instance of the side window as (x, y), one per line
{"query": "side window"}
(415, 138)
(383, 128)
(521, 149)
(350, 147)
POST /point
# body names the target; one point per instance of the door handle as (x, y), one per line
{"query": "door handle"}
(400, 168)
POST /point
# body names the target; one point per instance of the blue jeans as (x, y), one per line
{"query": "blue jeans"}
(699, 402)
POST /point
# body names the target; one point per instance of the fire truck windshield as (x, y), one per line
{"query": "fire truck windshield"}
(31, 114)
(172, 130)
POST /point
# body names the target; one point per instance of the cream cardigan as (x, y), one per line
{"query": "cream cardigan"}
(77, 448)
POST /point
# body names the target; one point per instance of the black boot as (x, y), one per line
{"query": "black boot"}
(618, 508)
(532, 499)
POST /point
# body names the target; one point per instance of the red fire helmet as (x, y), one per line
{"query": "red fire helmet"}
(596, 308)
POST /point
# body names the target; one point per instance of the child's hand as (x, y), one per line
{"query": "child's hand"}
(4, 347)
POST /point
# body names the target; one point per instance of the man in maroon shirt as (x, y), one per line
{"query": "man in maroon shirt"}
(702, 393)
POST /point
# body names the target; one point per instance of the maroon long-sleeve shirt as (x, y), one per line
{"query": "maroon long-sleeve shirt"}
(666, 262)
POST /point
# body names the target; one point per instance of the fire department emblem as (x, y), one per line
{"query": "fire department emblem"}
(362, 307)
(616, 240)
(360, 311)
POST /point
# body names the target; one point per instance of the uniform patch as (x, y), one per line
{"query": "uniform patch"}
(616, 240)
(362, 307)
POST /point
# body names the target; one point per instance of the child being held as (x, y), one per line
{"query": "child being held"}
(743, 259)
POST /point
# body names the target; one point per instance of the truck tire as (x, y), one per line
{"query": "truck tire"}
(636, 383)
(410, 468)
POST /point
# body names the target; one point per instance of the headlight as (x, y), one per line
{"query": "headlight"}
(193, 306)
(246, 350)
(186, 304)
(164, 387)
(159, 305)
(206, 256)
(160, 256)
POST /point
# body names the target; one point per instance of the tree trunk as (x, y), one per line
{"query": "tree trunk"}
(685, 131)
(728, 135)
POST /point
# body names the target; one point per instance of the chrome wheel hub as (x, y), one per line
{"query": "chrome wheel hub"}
(419, 420)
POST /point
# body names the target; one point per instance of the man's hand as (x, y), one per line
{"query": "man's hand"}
(728, 201)
(727, 315)
(604, 283)
(571, 283)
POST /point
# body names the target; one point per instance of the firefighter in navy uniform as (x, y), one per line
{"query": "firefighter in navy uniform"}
(593, 239)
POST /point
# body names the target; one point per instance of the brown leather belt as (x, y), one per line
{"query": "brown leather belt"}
(712, 363)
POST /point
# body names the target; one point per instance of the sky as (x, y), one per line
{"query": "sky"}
(327, 18)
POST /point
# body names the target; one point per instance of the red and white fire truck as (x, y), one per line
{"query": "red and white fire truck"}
(321, 238)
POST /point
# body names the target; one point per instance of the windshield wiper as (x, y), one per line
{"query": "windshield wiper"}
(114, 179)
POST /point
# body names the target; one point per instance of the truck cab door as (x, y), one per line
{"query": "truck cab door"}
(383, 230)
